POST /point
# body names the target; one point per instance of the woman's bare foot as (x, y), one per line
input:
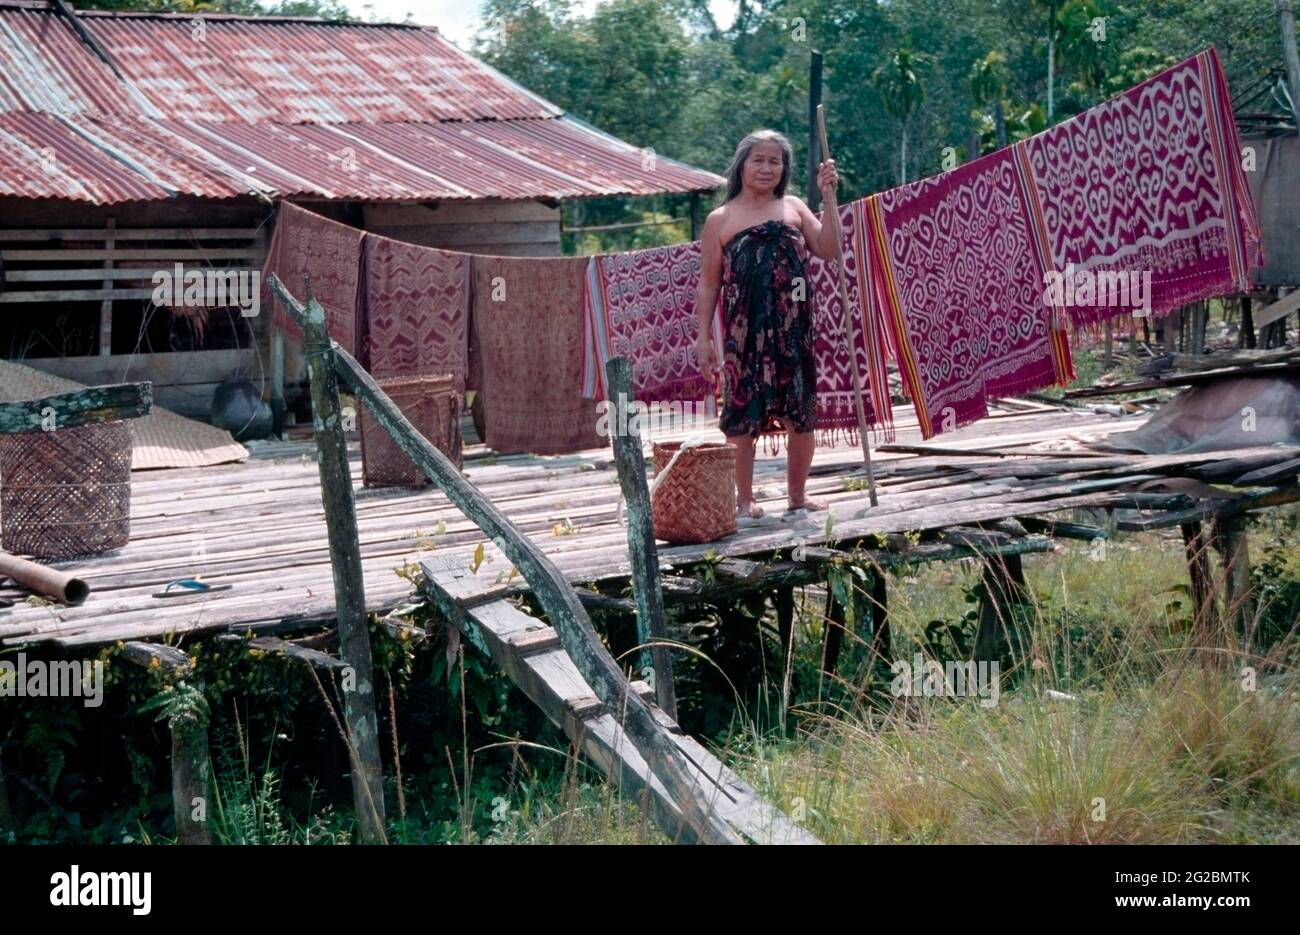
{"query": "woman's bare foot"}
(809, 504)
(749, 509)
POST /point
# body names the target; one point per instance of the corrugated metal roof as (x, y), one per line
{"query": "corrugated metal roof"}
(103, 161)
(193, 68)
(46, 68)
(437, 161)
(221, 105)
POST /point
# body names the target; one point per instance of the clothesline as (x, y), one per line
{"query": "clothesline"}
(957, 270)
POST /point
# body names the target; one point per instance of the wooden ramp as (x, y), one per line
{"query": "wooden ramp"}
(529, 652)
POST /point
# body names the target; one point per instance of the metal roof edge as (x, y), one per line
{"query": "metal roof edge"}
(578, 121)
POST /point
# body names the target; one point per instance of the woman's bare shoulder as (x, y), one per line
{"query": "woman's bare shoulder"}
(796, 204)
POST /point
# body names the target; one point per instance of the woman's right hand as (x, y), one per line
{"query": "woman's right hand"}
(707, 357)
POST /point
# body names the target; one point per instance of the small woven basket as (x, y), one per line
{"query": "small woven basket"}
(696, 501)
(67, 492)
(432, 405)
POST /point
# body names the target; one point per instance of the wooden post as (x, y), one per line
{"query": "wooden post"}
(191, 799)
(87, 406)
(629, 459)
(850, 332)
(833, 632)
(557, 598)
(815, 148)
(1247, 324)
(1196, 548)
(277, 381)
(1286, 22)
(783, 603)
(1004, 588)
(697, 219)
(1109, 360)
(881, 640)
(1238, 600)
(359, 714)
(106, 305)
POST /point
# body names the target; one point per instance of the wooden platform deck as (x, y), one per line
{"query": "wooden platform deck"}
(259, 526)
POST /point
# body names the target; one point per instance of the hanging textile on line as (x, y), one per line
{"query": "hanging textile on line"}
(528, 354)
(958, 275)
(1148, 183)
(329, 255)
(836, 412)
(416, 309)
(641, 305)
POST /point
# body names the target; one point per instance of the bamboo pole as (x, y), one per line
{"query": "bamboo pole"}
(850, 334)
(48, 582)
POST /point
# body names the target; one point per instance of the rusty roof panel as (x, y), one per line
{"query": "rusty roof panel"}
(214, 69)
(445, 161)
(220, 106)
(46, 68)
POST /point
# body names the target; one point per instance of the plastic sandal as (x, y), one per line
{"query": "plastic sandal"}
(188, 586)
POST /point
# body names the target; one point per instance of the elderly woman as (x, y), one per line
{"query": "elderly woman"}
(755, 249)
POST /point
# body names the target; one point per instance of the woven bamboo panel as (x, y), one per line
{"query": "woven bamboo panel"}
(67, 492)
(432, 405)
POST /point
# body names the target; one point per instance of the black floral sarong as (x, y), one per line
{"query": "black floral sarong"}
(769, 369)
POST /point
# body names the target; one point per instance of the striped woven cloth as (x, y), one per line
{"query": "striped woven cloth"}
(976, 273)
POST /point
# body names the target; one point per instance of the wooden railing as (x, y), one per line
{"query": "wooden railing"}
(328, 366)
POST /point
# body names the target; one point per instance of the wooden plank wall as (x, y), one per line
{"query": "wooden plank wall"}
(1275, 183)
(57, 253)
(503, 228)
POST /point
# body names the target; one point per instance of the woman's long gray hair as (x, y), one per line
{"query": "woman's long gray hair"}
(736, 171)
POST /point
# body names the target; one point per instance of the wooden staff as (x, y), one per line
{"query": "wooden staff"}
(832, 210)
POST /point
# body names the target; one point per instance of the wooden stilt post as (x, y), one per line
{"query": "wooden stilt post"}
(833, 637)
(1196, 547)
(277, 380)
(651, 626)
(359, 715)
(881, 640)
(1238, 599)
(191, 799)
(783, 603)
(850, 332)
(1004, 588)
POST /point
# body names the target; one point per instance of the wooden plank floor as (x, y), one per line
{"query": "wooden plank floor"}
(259, 527)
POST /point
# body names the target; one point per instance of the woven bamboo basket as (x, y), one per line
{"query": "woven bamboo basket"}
(696, 501)
(66, 493)
(432, 405)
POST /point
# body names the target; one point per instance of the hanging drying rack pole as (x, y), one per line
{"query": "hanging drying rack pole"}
(831, 208)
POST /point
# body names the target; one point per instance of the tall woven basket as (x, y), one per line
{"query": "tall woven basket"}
(432, 405)
(67, 492)
(696, 501)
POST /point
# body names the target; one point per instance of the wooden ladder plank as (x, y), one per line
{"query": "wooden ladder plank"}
(553, 683)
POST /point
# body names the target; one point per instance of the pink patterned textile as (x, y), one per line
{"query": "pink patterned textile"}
(641, 305)
(958, 276)
(417, 309)
(1149, 181)
(329, 255)
(836, 412)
